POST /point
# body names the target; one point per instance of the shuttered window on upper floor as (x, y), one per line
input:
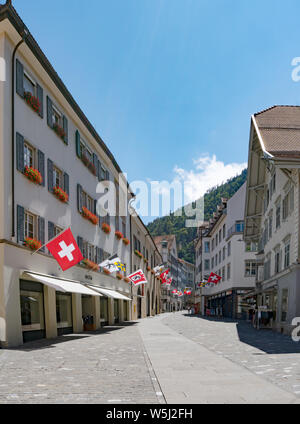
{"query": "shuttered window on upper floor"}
(28, 88)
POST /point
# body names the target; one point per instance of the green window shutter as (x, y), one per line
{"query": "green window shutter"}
(41, 231)
(95, 162)
(50, 230)
(77, 141)
(41, 166)
(20, 152)
(20, 78)
(20, 224)
(50, 175)
(79, 198)
(49, 112)
(95, 207)
(99, 170)
(98, 255)
(40, 96)
(65, 127)
(80, 243)
(66, 184)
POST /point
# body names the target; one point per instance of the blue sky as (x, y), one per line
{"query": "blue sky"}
(166, 82)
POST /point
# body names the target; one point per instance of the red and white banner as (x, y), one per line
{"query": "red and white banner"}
(169, 281)
(164, 275)
(138, 278)
(214, 278)
(65, 250)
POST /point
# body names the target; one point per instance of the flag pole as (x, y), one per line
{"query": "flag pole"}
(44, 245)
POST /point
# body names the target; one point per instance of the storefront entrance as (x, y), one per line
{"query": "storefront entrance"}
(87, 313)
(32, 311)
(64, 313)
(125, 310)
(116, 311)
(103, 311)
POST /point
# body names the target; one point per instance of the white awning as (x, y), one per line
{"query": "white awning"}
(110, 293)
(64, 286)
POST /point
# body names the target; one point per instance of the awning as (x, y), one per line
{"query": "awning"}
(110, 293)
(64, 286)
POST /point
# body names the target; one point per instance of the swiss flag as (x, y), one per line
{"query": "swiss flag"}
(214, 278)
(138, 278)
(163, 276)
(65, 250)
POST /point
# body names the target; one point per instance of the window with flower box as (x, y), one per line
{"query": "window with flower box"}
(58, 182)
(31, 228)
(28, 88)
(57, 121)
(30, 161)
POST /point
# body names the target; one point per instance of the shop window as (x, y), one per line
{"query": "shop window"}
(64, 311)
(32, 310)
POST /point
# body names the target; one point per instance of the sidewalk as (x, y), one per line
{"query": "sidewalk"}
(189, 373)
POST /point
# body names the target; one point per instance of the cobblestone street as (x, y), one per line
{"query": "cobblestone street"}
(104, 367)
(268, 354)
(173, 358)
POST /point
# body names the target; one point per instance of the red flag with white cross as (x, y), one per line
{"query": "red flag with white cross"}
(65, 250)
(214, 278)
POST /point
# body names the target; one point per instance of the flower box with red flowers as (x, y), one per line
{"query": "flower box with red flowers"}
(106, 228)
(90, 216)
(106, 271)
(32, 243)
(88, 164)
(119, 276)
(126, 279)
(138, 254)
(119, 235)
(60, 194)
(32, 101)
(90, 264)
(59, 131)
(126, 241)
(33, 175)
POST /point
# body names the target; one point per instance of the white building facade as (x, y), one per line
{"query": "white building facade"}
(224, 253)
(272, 214)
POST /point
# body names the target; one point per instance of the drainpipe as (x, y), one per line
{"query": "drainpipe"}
(24, 35)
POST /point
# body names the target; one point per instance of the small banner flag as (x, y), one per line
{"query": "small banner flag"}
(169, 281)
(65, 250)
(158, 269)
(180, 294)
(163, 276)
(214, 278)
(138, 278)
(113, 264)
(175, 292)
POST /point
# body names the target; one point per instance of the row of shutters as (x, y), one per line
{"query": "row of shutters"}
(40, 95)
(41, 165)
(51, 233)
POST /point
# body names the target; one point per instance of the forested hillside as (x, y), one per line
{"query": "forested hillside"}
(176, 224)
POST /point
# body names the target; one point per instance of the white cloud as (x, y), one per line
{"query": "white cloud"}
(208, 172)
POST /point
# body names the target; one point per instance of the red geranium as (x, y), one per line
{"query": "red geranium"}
(106, 228)
(60, 194)
(32, 101)
(89, 215)
(33, 175)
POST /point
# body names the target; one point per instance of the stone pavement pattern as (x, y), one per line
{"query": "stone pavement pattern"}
(105, 367)
(191, 373)
(270, 355)
(171, 358)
